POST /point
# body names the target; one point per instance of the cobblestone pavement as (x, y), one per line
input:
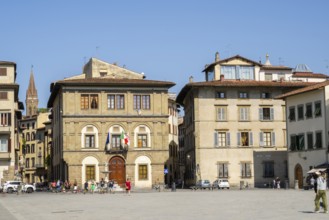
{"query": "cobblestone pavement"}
(182, 204)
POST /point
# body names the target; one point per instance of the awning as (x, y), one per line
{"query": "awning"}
(316, 170)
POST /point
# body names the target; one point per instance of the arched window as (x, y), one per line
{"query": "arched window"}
(32, 136)
(89, 137)
(27, 136)
(118, 138)
(142, 137)
(28, 149)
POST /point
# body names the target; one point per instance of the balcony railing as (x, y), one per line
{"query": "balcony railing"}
(39, 165)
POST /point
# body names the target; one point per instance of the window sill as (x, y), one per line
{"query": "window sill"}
(89, 148)
(142, 148)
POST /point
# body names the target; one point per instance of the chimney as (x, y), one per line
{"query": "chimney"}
(217, 57)
(191, 79)
(221, 77)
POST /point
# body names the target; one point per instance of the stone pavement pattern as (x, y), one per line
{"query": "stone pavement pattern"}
(183, 204)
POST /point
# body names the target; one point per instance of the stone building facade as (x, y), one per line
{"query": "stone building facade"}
(234, 127)
(111, 123)
(10, 113)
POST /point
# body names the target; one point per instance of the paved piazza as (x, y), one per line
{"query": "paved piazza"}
(182, 204)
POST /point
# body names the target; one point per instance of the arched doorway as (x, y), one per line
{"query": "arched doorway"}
(299, 175)
(117, 170)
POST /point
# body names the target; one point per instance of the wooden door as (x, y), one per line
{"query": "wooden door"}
(299, 175)
(117, 170)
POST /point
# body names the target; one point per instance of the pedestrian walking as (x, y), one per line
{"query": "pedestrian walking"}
(111, 184)
(128, 186)
(85, 187)
(321, 192)
(278, 182)
(92, 187)
(274, 184)
(102, 184)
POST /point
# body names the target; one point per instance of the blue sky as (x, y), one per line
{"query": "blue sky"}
(167, 40)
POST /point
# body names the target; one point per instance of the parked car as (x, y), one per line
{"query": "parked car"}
(221, 184)
(12, 186)
(203, 184)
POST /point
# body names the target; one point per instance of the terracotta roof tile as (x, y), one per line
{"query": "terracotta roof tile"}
(308, 74)
(241, 83)
(302, 90)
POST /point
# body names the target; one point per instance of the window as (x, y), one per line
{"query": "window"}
(90, 172)
(222, 139)
(268, 169)
(245, 170)
(309, 140)
(142, 136)
(317, 109)
(246, 72)
(89, 141)
(221, 113)
(300, 141)
(85, 99)
(243, 113)
(220, 95)
(4, 143)
(245, 138)
(268, 76)
(238, 72)
(222, 170)
(297, 142)
(309, 111)
(266, 114)
(33, 162)
(300, 112)
(142, 172)
(318, 139)
(32, 136)
(265, 95)
(27, 136)
(292, 115)
(3, 95)
(116, 141)
(267, 139)
(142, 140)
(27, 163)
(243, 95)
(89, 137)
(229, 72)
(32, 148)
(5, 119)
(115, 101)
(94, 101)
(3, 71)
(142, 102)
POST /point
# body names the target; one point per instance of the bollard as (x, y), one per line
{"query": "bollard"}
(296, 184)
(241, 185)
(173, 187)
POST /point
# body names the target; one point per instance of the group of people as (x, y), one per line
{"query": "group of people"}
(91, 186)
(60, 186)
(276, 183)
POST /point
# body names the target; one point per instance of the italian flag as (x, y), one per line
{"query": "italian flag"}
(125, 138)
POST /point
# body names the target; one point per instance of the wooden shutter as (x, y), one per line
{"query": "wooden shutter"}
(271, 114)
(273, 138)
(261, 114)
(238, 138)
(261, 139)
(9, 145)
(228, 139)
(250, 139)
(215, 139)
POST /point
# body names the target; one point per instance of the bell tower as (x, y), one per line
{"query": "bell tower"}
(32, 100)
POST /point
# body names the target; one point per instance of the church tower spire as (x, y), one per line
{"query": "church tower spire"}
(31, 97)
